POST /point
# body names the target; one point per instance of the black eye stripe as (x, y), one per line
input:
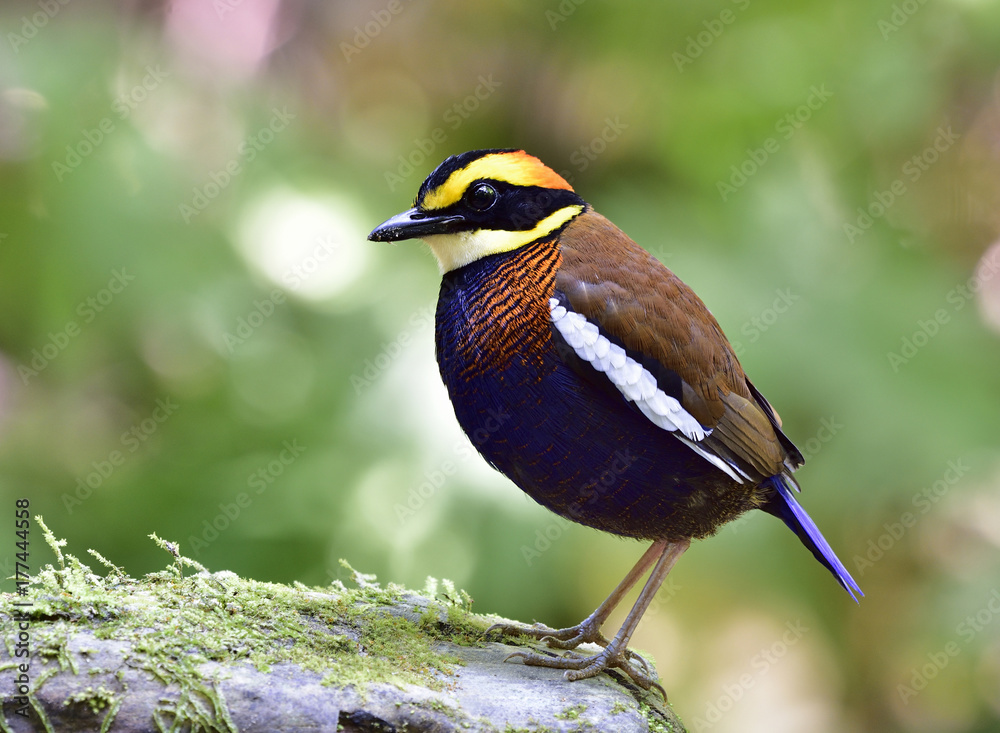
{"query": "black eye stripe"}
(517, 208)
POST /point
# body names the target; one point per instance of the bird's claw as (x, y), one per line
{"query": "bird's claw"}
(568, 638)
(559, 642)
(562, 638)
(632, 656)
(579, 667)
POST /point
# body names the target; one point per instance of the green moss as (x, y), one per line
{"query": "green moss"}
(96, 700)
(173, 624)
(572, 712)
(619, 707)
(657, 724)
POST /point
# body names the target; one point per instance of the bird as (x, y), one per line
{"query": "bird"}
(624, 405)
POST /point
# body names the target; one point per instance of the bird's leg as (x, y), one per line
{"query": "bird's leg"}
(615, 654)
(588, 630)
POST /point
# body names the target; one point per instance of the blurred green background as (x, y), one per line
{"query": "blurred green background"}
(197, 340)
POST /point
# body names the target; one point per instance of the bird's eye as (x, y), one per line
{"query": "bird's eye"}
(481, 196)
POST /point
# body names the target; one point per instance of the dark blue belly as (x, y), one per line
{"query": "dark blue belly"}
(571, 445)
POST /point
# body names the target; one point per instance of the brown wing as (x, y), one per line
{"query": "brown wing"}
(636, 300)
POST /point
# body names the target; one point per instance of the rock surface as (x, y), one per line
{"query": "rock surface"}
(214, 652)
(485, 694)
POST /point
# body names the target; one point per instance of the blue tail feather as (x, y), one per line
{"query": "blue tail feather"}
(784, 506)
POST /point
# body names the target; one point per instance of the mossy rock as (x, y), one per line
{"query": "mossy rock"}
(215, 652)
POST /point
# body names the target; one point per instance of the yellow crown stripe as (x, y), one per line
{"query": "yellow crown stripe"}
(518, 169)
(456, 250)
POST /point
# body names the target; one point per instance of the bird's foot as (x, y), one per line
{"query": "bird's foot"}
(580, 667)
(586, 632)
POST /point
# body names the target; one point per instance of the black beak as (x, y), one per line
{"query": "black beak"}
(414, 223)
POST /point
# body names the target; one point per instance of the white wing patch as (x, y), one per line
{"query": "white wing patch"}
(633, 380)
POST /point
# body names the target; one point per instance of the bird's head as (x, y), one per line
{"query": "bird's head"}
(484, 202)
